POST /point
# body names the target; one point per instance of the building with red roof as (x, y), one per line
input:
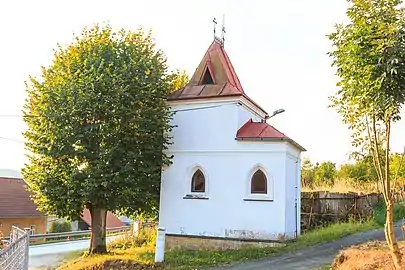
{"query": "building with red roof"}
(17, 208)
(234, 177)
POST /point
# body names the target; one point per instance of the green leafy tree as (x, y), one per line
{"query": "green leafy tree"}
(307, 172)
(397, 165)
(361, 170)
(325, 173)
(369, 54)
(180, 79)
(98, 126)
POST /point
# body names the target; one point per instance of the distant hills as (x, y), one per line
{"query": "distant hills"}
(10, 173)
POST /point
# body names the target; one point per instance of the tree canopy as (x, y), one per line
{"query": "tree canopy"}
(369, 55)
(98, 125)
(180, 79)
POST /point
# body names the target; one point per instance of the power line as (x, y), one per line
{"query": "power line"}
(59, 115)
(10, 139)
(181, 110)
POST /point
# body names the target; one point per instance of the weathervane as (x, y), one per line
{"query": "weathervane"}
(222, 38)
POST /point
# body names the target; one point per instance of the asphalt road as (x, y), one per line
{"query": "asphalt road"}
(47, 256)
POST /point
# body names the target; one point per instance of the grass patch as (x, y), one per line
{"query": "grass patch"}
(380, 212)
(125, 256)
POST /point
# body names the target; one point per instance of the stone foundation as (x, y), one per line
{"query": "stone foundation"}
(214, 243)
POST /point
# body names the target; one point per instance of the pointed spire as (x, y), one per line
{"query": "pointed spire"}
(214, 76)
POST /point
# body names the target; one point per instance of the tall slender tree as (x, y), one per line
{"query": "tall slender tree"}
(369, 54)
(98, 126)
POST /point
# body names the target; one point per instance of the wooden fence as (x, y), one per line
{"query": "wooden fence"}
(321, 208)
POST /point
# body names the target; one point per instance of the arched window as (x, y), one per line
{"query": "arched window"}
(258, 183)
(198, 182)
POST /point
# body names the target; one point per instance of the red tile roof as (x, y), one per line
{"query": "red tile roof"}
(15, 201)
(226, 81)
(112, 220)
(264, 132)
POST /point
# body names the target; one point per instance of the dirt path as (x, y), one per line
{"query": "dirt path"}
(313, 257)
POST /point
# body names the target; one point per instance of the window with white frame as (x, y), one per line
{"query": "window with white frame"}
(258, 183)
(198, 182)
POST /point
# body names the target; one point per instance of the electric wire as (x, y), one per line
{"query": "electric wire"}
(175, 111)
(180, 110)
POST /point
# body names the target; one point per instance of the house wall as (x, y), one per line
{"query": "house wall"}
(244, 115)
(294, 157)
(197, 121)
(205, 139)
(22, 223)
(291, 206)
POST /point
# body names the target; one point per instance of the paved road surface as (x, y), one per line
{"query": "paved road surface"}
(48, 255)
(314, 257)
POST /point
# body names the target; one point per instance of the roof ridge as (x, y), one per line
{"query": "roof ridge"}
(276, 129)
(265, 127)
(235, 77)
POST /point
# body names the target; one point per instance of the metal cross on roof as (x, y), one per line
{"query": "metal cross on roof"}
(215, 24)
(223, 30)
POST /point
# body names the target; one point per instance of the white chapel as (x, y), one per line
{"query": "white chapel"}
(234, 177)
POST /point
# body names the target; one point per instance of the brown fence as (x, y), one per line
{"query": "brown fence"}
(321, 208)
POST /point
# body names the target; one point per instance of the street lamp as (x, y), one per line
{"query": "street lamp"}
(276, 112)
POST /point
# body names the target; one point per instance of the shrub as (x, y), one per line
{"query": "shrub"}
(380, 212)
(145, 237)
(59, 227)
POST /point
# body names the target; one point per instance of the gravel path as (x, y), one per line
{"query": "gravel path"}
(313, 257)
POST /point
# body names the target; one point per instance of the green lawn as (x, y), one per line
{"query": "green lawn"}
(142, 258)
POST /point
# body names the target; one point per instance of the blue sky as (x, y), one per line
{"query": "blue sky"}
(278, 49)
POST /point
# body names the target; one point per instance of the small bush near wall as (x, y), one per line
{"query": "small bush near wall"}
(58, 227)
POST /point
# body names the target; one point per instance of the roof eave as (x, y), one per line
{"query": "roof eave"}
(204, 97)
(255, 104)
(272, 140)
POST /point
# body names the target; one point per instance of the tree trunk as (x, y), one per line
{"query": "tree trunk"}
(390, 236)
(98, 231)
(389, 201)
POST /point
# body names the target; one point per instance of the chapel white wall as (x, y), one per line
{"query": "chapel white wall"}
(206, 138)
(225, 213)
(291, 209)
